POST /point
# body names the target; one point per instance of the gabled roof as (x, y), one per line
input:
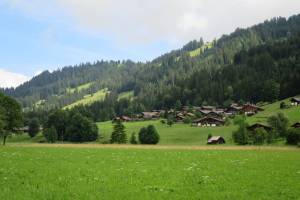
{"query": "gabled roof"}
(296, 125)
(258, 125)
(295, 99)
(215, 139)
(252, 105)
(207, 118)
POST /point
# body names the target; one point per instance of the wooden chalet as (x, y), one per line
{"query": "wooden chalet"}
(250, 109)
(151, 115)
(233, 109)
(123, 119)
(208, 121)
(24, 129)
(210, 108)
(256, 126)
(216, 140)
(295, 101)
(296, 125)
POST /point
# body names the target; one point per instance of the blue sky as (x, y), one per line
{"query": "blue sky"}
(36, 35)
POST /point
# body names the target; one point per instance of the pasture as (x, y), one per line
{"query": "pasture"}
(126, 173)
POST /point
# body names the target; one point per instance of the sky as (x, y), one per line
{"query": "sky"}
(37, 35)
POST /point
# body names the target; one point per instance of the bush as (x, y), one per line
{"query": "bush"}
(209, 136)
(279, 123)
(283, 105)
(149, 135)
(187, 120)
(50, 134)
(241, 136)
(133, 139)
(293, 136)
(81, 129)
(34, 127)
(118, 135)
(170, 121)
(260, 136)
(163, 121)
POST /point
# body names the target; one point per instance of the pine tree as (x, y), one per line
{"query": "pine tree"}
(118, 135)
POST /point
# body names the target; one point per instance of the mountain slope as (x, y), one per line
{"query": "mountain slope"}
(161, 82)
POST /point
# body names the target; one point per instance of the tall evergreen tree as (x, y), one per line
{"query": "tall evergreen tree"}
(118, 135)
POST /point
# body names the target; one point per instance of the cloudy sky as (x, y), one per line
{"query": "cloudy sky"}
(48, 34)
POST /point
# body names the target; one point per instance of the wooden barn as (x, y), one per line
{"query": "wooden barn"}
(256, 126)
(233, 109)
(296, 125)
(295, 101)
(151, 115)
(208, 121)
(250, 109)
(216, 140)
(123, 119)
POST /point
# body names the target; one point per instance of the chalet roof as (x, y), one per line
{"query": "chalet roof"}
(208, 107)
(215, 138)
(296, 125)
(208, 118)
(258, 125)
(252, 105)
(295, 99)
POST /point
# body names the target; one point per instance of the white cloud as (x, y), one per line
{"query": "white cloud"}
(148, 21)
(9, 79)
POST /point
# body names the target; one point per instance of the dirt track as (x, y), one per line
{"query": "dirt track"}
(115, 146)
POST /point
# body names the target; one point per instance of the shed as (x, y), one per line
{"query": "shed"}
(296, 125)
(216, 140)
(255, 126)
(208, 121)
(295, 101)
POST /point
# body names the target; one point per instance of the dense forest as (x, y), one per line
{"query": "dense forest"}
(260, 63)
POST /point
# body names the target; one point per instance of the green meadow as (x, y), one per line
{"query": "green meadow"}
(113, 173)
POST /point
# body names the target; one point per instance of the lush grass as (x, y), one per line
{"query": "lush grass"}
(178, 134)
(197, 52)
(126, 95)
(292, 113)
(104, 173)
(89, 99)
(79, 88)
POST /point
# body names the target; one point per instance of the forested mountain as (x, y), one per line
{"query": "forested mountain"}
(260, 63)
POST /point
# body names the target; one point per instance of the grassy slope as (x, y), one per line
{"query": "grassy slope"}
(92, 173)
(79, 88)
(197, 52)
(126, 95)
(88, 99)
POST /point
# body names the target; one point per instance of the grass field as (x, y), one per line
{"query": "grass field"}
(79, 88)
(111, 173)
(89, 99)
(126, 95)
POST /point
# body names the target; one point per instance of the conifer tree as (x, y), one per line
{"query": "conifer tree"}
(118, 135)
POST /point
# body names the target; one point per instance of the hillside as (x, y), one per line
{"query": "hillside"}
(199, 73)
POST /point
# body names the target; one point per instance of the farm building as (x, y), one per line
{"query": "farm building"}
(296, 125)
(150, 115)
(210, 108)
(208, 121)
(216, 140)
(295, 101)
(250, 109)
(123, 119)
(233, 109)
(256, 126)
(22, 129)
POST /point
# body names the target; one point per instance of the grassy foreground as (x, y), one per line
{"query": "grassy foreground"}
(110, 173)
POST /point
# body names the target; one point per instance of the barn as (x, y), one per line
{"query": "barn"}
(250, 109)
(216, 140)
(256, 126)
(295, 101)
(208, 121)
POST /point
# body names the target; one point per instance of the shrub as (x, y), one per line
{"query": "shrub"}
(187, 120)
(163, 121)
(209, 136)
(81, 129)
(50, 134)
(279, 123)
(118, 135)
(241, 136)
(170, 121)
(260, 136)
(293, 136)
(149, 135)
(34, 127)
(133, 139)
(283, 105)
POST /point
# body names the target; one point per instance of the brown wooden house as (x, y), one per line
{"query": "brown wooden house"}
(295, 101)
(123, 119)
(256, 126)
(208, 121)
(216, 140)
(296, 125)
(151, 115)
(250, 109)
